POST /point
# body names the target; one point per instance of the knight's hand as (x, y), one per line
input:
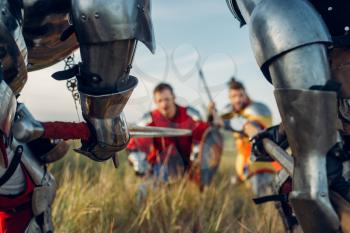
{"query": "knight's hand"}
(138, 160)
(235, 124)
(273, 133)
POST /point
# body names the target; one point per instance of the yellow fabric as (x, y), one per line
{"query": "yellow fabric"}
(243, 165)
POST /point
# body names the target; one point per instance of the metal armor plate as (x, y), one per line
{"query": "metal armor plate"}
(280, 26)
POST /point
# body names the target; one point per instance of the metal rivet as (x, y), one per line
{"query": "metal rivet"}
(140, 7)
(330, 8)
(97, 16)
(83, 17)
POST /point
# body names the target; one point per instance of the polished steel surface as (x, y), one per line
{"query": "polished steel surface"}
(111, 135)
(109, 105)
(315, 112)
(278, 26)
(8, 106)
(25, 128)
(111, 62)
(151, 132)
(232, 5)
(279, 155)
(104, 113)
(101, 21)
(301, 68)
(111, 132)
(246, 8)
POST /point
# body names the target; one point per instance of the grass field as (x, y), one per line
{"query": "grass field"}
(96, 197)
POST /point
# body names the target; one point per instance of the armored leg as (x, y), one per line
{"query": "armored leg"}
(310, 120)
(289, 40)
(43, 193)
(310, 138)
(108, 32)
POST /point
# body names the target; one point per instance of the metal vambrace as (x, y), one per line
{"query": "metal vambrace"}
(276, 27)
(310, 120)
(106, 119)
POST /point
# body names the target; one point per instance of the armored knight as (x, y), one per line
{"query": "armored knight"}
(246, 118)
(27, 189)
(302, 48)
(35, 34)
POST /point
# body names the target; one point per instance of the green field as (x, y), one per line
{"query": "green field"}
(96, 197)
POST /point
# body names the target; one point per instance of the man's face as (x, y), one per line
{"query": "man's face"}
(165, 102)
(238, 98)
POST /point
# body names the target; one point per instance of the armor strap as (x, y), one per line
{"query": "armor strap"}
(277, 197)
(13, 165)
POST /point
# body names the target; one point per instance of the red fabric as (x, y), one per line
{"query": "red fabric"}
(16, 211)
(286, 187)
(66, 130)
(160, 148)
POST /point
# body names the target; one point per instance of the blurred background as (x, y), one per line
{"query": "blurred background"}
(187, 33)
(96, 197)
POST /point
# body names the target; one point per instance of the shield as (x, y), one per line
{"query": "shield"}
(210, 150)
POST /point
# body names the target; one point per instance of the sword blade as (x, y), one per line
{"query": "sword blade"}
(151, 132)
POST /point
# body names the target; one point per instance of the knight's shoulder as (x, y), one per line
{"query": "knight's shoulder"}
(258, 109)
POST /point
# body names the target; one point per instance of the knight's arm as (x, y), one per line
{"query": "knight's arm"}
(108, 33)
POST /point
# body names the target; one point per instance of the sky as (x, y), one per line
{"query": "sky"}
(187, 33)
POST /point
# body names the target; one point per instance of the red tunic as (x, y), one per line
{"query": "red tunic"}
(157, 149)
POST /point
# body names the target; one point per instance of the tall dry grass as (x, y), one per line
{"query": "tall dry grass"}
(96, 197)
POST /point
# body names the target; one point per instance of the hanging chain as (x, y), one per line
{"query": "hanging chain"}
(72, 84)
